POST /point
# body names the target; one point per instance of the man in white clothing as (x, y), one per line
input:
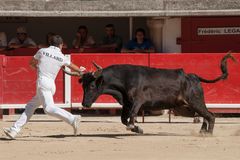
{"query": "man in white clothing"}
(48, 62)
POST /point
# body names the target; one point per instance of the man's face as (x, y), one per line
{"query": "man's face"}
(139, 36)
(61, 46)
(21, 36)
(82, 32)
(109, 31)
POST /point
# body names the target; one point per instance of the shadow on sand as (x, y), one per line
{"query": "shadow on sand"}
(115, 135)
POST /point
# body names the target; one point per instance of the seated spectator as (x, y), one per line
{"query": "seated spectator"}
(3, 41)
(82, 39)
(111, 40)
(21, 40)
(48, 41)
(139, 44)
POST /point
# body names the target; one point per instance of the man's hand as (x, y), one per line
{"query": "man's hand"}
(78, 35)
(82, 69)
(75, 68)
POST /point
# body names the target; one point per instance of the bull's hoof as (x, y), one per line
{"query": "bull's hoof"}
(205, 133)
(137, 129)
(130, 127)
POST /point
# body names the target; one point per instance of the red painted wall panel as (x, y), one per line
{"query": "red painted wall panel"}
(206, 66)
(104, 60)
(19, 84)
(192, 42)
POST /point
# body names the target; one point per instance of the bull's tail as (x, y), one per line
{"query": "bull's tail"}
(223, 69)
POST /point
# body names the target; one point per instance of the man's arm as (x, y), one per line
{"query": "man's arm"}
(74, 67)
(33, 63)
(78, 71)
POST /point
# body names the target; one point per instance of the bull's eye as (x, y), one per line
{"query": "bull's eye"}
(92, 86)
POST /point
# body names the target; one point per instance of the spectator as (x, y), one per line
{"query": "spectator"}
(82, 39)
(139, 44)
(3, 41)
(111, 40)
(48, 41)
(22, 40)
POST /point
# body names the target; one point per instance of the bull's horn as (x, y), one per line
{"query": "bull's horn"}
(97, 66)
(97, 73)
(72, 73)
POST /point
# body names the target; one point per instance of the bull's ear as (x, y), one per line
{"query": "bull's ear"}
(80, 80)
(99, 81)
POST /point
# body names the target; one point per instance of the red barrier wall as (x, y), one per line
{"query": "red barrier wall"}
(18, 80)
(104, 60)
(206, 66)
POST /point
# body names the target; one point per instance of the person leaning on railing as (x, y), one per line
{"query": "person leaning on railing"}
(22, 40)
(82, 39)
(111, 40)
(3, 41)
(139, 44)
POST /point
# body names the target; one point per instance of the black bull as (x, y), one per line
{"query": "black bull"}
(136, 87)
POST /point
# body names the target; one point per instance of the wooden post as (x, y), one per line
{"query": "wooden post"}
(143, 116)
(169, 115)
(1, 114)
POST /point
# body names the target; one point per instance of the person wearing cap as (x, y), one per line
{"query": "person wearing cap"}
(21, 40)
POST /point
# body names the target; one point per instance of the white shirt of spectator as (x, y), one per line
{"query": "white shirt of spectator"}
(27, 41)
(3, 39)
(50, 61)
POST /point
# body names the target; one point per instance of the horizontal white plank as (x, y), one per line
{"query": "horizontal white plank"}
(19, 106)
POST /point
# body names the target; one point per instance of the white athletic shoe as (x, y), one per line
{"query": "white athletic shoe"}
(76, 124)
(10, 133)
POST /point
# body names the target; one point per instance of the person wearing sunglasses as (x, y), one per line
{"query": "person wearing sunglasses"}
(21, 40)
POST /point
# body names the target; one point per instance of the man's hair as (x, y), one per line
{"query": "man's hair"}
(56, 40)
(109, 26)
(82, 27)
(140, 30)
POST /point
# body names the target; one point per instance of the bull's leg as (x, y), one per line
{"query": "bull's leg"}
(204, 126)
(133, 115)
(208, 118)
(125, 115)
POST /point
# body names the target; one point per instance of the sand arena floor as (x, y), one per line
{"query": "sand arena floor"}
(46, 138)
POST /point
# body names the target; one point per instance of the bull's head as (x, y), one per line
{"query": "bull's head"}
(91, 84)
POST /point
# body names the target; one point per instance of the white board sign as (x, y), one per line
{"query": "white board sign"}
(218, 31)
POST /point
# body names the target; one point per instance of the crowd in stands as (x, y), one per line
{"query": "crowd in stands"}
(83, 40)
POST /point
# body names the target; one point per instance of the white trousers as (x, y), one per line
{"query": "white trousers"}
(44, 97)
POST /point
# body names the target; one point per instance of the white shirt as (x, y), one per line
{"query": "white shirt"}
(3, 39)
(50, 61)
